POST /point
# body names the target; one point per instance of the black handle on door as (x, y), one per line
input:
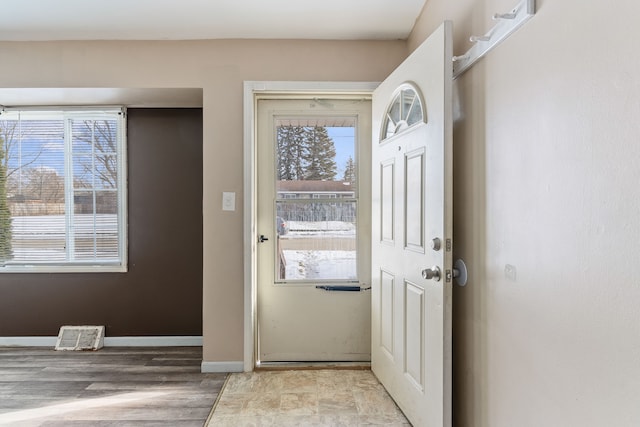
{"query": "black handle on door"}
(342, 288)
(262, 239)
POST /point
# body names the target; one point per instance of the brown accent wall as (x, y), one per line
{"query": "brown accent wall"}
(161, 294)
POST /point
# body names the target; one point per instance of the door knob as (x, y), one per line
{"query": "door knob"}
(262, 239)
(432, 273)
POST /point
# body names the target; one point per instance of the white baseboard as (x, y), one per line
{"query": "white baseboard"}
(212, 367)
(28, 341)
(179, 341)
(189, 341)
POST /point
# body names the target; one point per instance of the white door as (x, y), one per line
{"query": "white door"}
(412, 232)
(313, 250)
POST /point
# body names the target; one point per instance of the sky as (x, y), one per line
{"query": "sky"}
(42, 152)
(42, 146)
(344, 141)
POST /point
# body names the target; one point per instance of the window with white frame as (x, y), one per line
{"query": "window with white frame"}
(62, 190)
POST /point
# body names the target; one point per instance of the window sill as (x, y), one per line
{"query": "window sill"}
(76, 268)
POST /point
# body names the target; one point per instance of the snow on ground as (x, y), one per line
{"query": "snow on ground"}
(320, 264)
(53, 226)
(303, 264)
(43, 237)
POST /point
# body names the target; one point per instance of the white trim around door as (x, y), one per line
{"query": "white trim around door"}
(251, 89)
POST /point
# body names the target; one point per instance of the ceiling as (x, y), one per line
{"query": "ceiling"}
(23, 20)
(40, 20)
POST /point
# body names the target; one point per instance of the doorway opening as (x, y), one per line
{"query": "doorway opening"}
(312, 223)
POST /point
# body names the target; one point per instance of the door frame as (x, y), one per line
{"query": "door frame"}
(251, 90)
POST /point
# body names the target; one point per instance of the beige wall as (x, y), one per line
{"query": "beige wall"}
(219, 67)
(547, 172)
(547, 180)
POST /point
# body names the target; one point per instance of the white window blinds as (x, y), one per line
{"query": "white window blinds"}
(62, 194)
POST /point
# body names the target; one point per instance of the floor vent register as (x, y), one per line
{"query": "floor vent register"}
(80, 338)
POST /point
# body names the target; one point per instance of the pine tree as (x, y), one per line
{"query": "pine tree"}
(350, 171)
(320, 158)
(305, 153)
(5, 215)
(291, 152)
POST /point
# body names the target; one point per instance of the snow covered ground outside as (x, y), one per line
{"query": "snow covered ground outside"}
(320, 264)
(53, 226)
(43, 237)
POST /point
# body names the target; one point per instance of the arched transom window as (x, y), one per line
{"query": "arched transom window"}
(405, 110)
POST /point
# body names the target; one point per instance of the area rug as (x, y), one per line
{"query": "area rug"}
(322, 397)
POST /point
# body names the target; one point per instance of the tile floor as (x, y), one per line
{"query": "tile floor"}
(305, 398)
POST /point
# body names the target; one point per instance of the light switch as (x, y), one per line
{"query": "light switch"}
(228, 201)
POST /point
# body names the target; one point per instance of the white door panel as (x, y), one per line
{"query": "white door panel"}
(412, 232)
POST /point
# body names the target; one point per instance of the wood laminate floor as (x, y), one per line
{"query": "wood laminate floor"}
(110, 387)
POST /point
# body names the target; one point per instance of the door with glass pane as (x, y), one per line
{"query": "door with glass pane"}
(313, 227)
